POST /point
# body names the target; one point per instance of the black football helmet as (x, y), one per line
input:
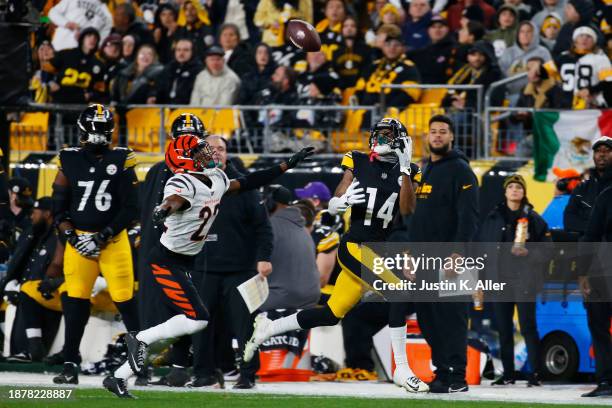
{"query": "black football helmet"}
(188, 124)
(96, 125)
(387, 131)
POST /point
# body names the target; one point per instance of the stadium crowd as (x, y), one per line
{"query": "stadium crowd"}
(235, 52)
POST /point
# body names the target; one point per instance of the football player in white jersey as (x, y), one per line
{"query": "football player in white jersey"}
(190, 205)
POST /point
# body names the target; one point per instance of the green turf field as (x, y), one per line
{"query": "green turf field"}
(158, 399)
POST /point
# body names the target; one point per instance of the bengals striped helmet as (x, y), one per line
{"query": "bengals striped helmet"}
(189, 154)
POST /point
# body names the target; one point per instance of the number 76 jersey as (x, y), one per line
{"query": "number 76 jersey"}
(185, 230)
(97, 185)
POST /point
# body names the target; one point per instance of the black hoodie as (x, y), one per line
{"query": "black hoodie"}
(447, 201)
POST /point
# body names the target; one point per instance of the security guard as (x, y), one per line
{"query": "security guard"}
(94, 202)
(33, 254)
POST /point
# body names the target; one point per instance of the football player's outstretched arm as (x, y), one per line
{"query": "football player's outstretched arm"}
(260, 178)
(170, 205)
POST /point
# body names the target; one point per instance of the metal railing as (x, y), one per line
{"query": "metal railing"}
(489, 110)
(468, 127)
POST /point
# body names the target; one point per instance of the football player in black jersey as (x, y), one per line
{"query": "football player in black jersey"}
(94, 201)
(376, 186)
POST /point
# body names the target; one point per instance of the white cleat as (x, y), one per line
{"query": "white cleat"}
(261, 330)
(411, 383)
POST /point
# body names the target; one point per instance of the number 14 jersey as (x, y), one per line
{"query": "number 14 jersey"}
(371, 221)
(185, 230)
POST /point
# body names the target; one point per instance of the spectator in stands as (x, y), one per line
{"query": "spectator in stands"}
(39, 85)
(194, 23)
(514, 59)
(437, 62)
(330, 28)
(548, 7)
(525, 10)
(316, 64)
(79, 74)
(393, 68)
(567, 180)
(469, 33)
(353, 56)
(259, 78)
(541, 92)
(580, 90)
(514, 267)
(238, 54)
(72, 16)
(455, 12)
(217, 84)
(280, 92)
(238, 12)
(321, 90)
(472, 13)
(381, 36)
(271, 16)
(389, 14)
(295, 282)
(505, 33)
(550, 30)
(110, 55)
(577, 13)
(128, 49)
(415, 27)
(175, 83)
(124, 23)
(137, 83)
(165, 33)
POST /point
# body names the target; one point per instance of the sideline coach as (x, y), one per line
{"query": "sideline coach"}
(446, 211)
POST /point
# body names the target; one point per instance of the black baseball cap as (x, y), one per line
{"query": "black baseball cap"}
(602, 140)
(43, 203)
(281, 194)
(215, 50)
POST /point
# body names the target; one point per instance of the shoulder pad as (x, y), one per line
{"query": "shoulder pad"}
(130, 156)
(347, 161)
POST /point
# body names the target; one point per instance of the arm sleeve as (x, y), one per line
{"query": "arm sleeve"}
(259, 178)
(129, 202)
(467, 206)
(57, 14)
(264, 238)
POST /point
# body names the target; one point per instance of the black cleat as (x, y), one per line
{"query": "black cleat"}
(136, 352)
(603, 389)
(117, 386)
(177, 377)
(144, 379)
(69, 375)
(534, 381)
(244, 383)
(37, 349)
(503, 381)
(216, 381)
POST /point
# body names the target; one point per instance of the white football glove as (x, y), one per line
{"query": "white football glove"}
(353, 195)
(404, 154)
(99, 285)
(87, 247)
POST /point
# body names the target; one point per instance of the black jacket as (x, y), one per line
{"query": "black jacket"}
(578, 210)
(350, 62)
(128, 88)
(447, 201)
(175, 83)
(242, 59)
(599, 227)
(500, 226)
(437, 62)
(241, 235)
(33, 253)
(254, 82)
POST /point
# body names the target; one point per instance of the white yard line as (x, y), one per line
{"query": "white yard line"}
(551, 394)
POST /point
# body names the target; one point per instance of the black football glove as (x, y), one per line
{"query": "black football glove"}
(101, 238)
(300, 156)
(48, 286)
(159, 215)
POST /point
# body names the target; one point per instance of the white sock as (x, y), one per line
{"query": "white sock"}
(124, 372)
(398, 343)
(284, 324)
(177, 326)
(32, 332)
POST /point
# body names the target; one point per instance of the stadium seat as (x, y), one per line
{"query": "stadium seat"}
(30, 133)
(351, 137)
(143, 129)
(224, 122)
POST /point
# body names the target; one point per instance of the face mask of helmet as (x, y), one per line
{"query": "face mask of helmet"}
(381, 143)
(204, 158)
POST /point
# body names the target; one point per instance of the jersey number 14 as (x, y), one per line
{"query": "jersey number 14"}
(385, 213)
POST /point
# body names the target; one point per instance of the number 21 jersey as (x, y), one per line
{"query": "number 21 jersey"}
(185, 230)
